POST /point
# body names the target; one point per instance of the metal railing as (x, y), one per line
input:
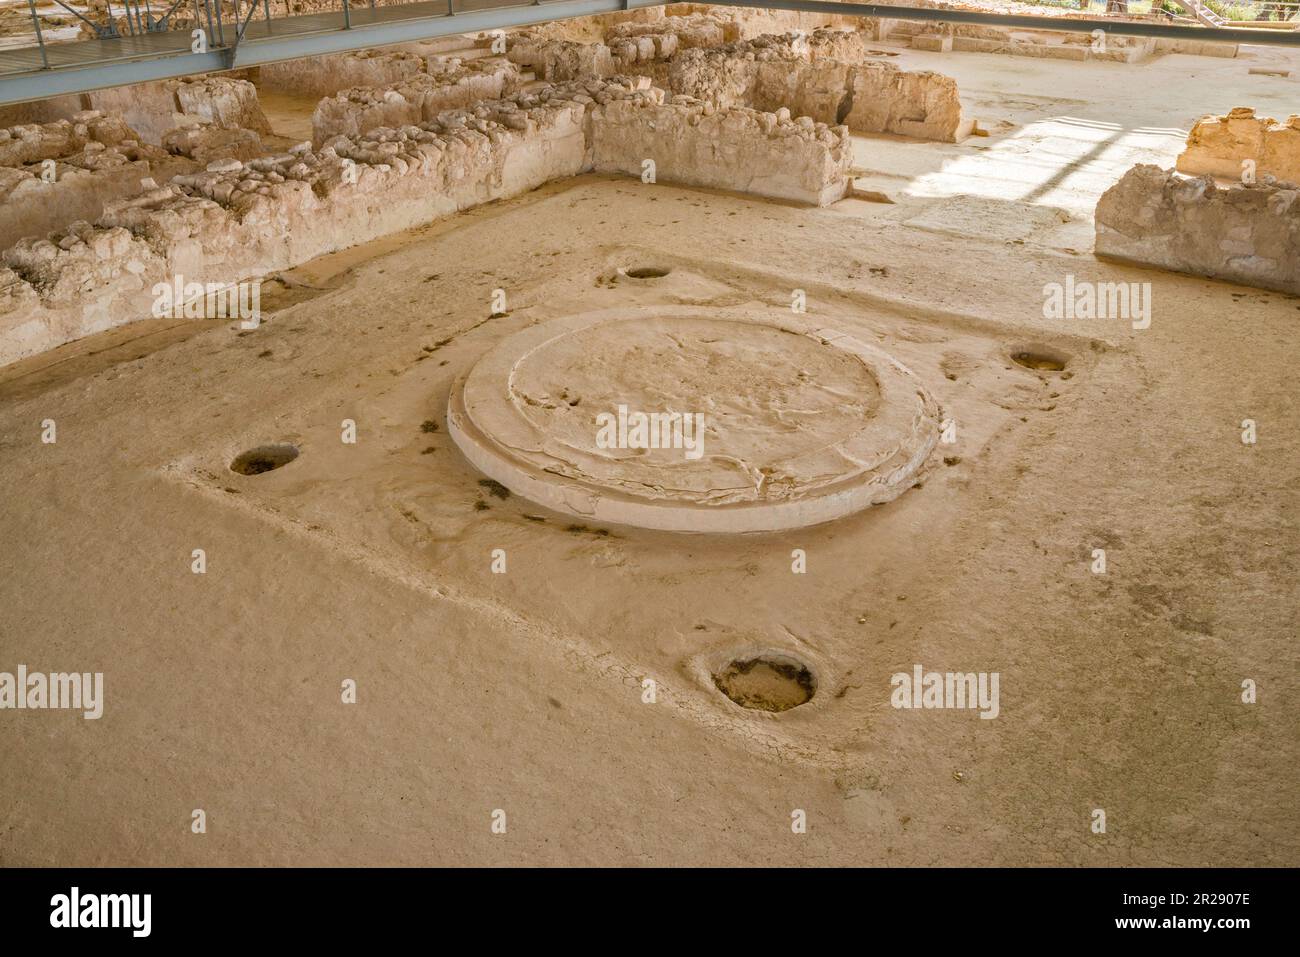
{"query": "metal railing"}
(137, 18)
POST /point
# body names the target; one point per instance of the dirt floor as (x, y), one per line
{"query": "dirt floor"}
(523, 691)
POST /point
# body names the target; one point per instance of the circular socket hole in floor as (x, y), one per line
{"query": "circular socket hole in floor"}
(646, 272)
(767, 682)
(1039, 359)
(264, 458)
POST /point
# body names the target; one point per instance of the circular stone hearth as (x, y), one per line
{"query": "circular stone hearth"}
(801, 423)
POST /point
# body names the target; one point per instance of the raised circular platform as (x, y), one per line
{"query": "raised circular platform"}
(802, 424)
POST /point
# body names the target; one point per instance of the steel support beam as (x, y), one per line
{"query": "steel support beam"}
(1117, 27)
(56, 82)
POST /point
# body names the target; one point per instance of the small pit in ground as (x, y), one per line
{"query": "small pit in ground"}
(1039, 359)
(646, 272)
(264, 458)
(766, 683)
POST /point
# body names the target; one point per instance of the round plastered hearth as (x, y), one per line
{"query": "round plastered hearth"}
(686, 419)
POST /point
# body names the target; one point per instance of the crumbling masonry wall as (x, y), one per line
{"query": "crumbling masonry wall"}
(57, 173)
(422, 97)
(824, 76)
(326, 75)
(236, 220)
(558, 60)
(694, 143)
(152, 109)
(1242, 233)
(205, 144)
(1219, 145)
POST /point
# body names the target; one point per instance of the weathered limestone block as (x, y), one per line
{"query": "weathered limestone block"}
(1281, 158)
(1220, 145)
(203, 143)
(845, 46)
(32, 142)
(559, 60)
(153, 109)
(822, 90)
(80, 283)
(715, 76)
(221, 101)
(325, 76)
(643, 48)
(436, 50)
(148, 108)
(747, 23)
(823, 75)
(696, 144)
(1245, 234)
(357, 111)
(26, 326)
(1196, 48)
(687, 32)
(32, 207)
(932, 42)
(922, 104)
(58, 173)
(869, 97)
(450, 86)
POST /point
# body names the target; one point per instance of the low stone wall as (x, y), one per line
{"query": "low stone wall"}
(1244, 234)
(221, 101)
(152, 109)
(91, 158)
(32, 143)
(327, 75)
(205, 144)
(236, 221)
(559, 60)
(694, 143)
(1196, 48)
(646, 42)
(1017, 41)
(419, 98)
(1219, 145)
(823, 75)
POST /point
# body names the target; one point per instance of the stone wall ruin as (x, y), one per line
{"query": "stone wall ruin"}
(240, 220)
(1221, 145)
(57, 173)
(1248, 234)
(824, 75)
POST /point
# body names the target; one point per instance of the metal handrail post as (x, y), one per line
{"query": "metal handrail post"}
(40, 40)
